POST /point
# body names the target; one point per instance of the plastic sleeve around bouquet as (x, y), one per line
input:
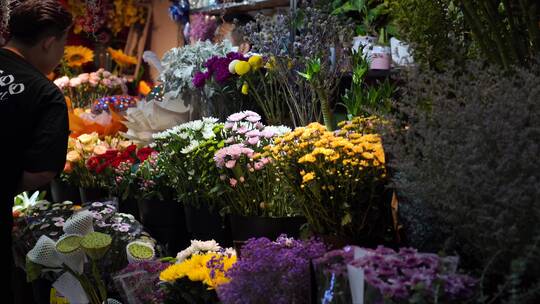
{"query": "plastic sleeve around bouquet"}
(104, 124)
(80, 223)
(135, 257)
(70, 288)
(71, 254)
(44, 253)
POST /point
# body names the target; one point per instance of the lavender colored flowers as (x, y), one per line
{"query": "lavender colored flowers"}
(272, 272)
(400, 275)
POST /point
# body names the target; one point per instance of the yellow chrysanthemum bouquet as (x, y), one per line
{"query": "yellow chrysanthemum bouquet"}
(339, 178)
(194, 278)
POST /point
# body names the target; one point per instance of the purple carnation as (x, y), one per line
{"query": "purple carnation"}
(199, 80)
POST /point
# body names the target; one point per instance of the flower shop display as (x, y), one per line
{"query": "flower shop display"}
(338, 178)
(85, 88)
(202, 268)
(271, 272)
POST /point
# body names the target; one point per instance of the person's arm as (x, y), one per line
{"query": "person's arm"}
(46, 155)
(32, 181)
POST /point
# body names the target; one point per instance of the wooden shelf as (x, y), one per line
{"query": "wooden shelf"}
(244, 6)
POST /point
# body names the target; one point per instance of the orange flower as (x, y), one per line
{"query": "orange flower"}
(122, 59)
(144, 88)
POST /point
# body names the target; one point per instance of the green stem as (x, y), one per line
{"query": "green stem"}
(97, 276)
(325, 108)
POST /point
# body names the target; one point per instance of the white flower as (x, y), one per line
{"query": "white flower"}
(183, 255)
(208, 133)
(278, 130)
(197, 125)
(62, 82)
(230, 251)
(192, 146)
(74, 82)
(232, 66)
(205, 246)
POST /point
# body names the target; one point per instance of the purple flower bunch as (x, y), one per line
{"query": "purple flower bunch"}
(335, 261)
(272, 272)
(203, 26)
(217, 68)
(140, 281)
(400, 275)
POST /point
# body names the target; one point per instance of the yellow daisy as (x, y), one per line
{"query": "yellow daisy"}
(120, 58)
(76, 56)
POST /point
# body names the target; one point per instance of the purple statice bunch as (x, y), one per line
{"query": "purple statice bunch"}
(217, 69)
(407, 273)
(272, 272)
(140, 281)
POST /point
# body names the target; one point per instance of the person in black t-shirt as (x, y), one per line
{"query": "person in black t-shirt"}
(33, 113)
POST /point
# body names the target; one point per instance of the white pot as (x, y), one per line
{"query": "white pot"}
(381, 58)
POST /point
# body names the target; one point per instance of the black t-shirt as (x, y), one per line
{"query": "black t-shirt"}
(34, 126)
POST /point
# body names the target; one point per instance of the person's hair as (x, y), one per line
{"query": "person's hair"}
(32, 20)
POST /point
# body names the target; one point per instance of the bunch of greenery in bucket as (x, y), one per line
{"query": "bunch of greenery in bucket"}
(338, 178)
(187, 151)
(253, 187)
(197, 273)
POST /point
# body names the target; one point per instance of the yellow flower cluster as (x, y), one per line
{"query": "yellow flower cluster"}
(325, 153)
(196, 269)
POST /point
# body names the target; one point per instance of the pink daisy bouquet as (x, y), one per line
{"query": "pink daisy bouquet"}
(253, 187)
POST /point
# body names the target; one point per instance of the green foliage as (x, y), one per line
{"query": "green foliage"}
(464, 149)
(434, 29)
(362, 99)
(371, 15)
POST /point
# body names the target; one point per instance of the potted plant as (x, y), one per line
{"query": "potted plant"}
(381, 55)
(258, 203)
(339, 181)
(160, 213)
(372, 14)
(188, 151)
